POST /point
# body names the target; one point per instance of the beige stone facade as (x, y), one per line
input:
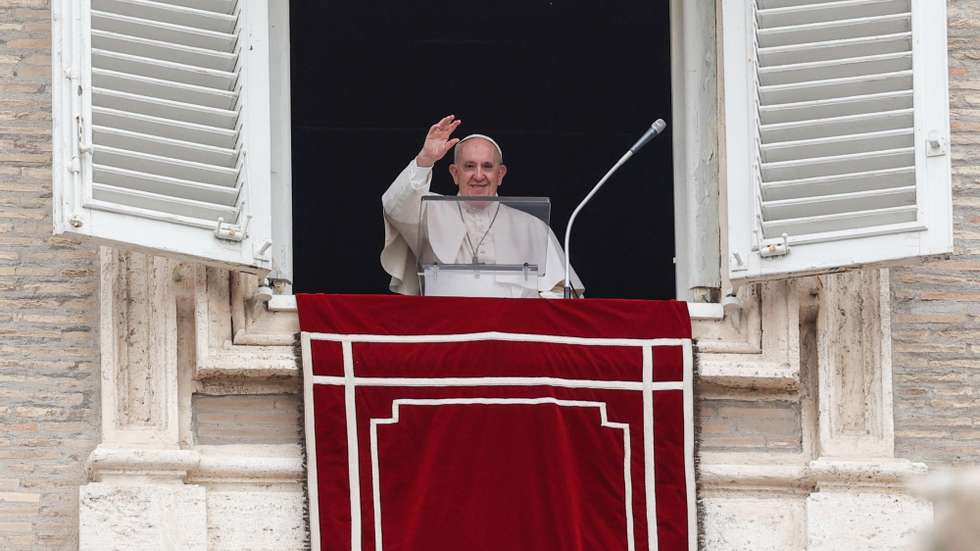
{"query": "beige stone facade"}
(937, 306)
(49, 368)
(133, 386)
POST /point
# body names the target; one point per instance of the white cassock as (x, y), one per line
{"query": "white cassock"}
(507, 236)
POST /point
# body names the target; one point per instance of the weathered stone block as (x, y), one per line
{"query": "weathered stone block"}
(145, 517)
(865, 522)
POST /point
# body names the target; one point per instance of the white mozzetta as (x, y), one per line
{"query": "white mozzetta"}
(166, 132)
(837, 134)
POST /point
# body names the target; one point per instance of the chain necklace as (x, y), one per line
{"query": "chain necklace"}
(467, 233)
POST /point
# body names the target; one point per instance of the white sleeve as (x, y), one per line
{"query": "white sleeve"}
(400, 207)
(403, 198)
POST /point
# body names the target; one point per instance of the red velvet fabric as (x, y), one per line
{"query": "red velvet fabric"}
(462, 462)
(405, 315)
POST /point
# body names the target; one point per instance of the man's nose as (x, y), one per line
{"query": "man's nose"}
(480, 174)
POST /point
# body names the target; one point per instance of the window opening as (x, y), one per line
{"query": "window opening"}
(563, 87)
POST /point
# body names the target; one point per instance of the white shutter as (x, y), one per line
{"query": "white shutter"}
(162, 133)
(837, 125)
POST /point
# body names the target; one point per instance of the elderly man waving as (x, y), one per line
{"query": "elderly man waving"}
(488, 235)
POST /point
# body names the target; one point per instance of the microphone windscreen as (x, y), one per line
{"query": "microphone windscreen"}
(656, 128)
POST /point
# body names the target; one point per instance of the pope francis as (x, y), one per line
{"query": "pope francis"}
(487, 233)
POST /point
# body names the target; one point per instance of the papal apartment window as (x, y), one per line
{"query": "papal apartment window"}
(171, 131)
(565, 88)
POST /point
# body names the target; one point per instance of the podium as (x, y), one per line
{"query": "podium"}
(483, 246)
(446, 423)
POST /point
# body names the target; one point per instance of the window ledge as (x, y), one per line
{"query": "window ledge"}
(698, 310)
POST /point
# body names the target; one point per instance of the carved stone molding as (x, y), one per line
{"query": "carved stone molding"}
(854, 359)
(253, 323)
(758, 344)
(137, 499)
(138, 342)
(881, 475)
(253, 464)
(235, 338)
(133, 505)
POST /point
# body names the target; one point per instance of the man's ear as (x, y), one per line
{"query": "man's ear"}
(503, 172)
(454, 172)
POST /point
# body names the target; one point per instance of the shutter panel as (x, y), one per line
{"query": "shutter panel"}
(837, 126)
(163, 142)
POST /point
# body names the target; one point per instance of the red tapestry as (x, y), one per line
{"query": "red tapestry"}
(498, 424)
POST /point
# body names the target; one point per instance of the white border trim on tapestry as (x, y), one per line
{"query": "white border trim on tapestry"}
(496, 381)
(350, 382)
(603, 421)
(688, 402)
(495, 336)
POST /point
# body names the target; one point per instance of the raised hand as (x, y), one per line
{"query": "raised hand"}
(437, 141)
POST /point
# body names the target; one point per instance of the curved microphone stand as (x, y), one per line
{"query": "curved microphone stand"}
(656, 128)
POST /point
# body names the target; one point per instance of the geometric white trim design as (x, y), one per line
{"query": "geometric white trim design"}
(496, 336)
(349, 381)
(604, 421)
(496, 381)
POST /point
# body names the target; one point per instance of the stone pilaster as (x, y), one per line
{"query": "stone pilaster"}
(859, 499)
(138, 499)
(854, 359)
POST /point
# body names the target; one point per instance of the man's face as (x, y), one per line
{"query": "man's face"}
(478, 170)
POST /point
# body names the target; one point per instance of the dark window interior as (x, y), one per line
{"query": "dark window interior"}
(564, 87)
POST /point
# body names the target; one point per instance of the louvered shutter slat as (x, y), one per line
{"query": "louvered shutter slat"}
(837, 126)
(164, 32)
(165, 166)
(163, 204)
(168, 128)
(837, 145)
(783, 14)
(835, 30)
(218, 6)
(827, 70)
(167, 147)
(170, 13)
(838, 166)
(163, 185)
(834, 107)
(841, 222)
(843, 202)
(834, 49)
(832, 185)
(167, 109)
(168, 51)
(165, 70)
(836, 88)
(164, 89)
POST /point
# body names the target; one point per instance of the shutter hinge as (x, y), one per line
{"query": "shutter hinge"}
(232, 232)
(775, 247)
(935, 145)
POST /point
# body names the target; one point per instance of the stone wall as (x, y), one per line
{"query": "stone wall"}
(936, 311)
(49, 378)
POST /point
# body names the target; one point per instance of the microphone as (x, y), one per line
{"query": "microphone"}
(656, 128)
